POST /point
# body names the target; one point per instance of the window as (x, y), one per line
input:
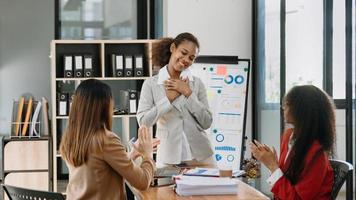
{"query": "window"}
(339, 53)
(304, 43)
(272, 51)
(101, 19)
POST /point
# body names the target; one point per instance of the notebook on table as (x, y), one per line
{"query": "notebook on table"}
(211, 172)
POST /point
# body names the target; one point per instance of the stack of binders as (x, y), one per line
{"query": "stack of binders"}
(80, 66)
(196, 185)
(126, 65)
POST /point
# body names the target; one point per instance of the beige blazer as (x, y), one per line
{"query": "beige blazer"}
(191, 115)
(102, 176)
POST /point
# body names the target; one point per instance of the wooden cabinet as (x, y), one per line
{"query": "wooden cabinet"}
(105, 59)
(27, 162)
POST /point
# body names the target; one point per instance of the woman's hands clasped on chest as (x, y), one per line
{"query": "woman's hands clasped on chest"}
(172, 95)
(176, 87)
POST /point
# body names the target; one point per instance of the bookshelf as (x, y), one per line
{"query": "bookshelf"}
(105, 58)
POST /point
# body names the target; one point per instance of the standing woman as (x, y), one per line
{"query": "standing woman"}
(95, 156)
(303, 170)
(176, 101)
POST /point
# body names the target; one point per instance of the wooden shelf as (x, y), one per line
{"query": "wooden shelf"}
(124, 116)
(25, 138)
(115, 116)
(101, 52)
(62, 117)
(142, 41)
(103, 78)
(25, 171)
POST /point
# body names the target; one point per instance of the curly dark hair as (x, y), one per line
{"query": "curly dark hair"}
(161, 50)
(313, 112)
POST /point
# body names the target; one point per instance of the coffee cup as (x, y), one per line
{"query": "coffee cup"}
(225, 171)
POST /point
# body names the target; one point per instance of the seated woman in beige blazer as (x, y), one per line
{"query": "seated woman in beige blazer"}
(177, 102)
(95, 156)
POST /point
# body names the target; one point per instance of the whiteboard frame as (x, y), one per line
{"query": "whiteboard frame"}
(214, 59)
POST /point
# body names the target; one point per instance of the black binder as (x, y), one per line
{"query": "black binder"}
(63, 104)
(138, 67)
(113, 65)
(88, 66)
(68, 66)
(123, 102)
(78, 66)
(133, 101)
(128, 66)
(117, 64)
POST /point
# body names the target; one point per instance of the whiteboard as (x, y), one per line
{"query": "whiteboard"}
(226, 80)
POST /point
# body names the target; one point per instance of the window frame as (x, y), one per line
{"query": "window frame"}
(258, 51)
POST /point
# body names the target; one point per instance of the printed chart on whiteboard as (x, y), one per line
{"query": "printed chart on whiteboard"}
(226, 84)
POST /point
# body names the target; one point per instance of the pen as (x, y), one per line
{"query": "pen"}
(131, 142)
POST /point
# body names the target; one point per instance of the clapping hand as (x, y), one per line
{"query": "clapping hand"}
(140, 148)
(265, 154)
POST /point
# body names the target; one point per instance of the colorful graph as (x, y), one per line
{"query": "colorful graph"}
(226, 86)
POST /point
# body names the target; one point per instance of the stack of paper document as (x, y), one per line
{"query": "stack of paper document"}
(211, 172)
(196, 185)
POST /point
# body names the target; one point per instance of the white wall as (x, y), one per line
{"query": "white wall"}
(26, 29)
(223, 27)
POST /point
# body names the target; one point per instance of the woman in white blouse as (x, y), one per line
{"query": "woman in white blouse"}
(176, 101)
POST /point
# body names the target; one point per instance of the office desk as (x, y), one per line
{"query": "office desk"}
(167, 193)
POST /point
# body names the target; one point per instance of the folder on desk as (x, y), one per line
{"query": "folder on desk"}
(45, 117)
(19, 115)
(211, 172)
(88, 66)
(35, 121)
(27, 116)
(78, 66)
(138, 67)
(68, 66)
(128, 66)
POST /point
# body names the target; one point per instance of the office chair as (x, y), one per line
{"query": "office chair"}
(17, 193)
(341, 170)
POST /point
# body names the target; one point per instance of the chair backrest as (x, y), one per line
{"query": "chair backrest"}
(341, 170)
(17, 193)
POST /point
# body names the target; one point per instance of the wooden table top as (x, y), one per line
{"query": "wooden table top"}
(167, 193)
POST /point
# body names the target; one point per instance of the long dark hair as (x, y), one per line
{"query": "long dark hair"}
(161, 49)
(90, 115)
(314, 120)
